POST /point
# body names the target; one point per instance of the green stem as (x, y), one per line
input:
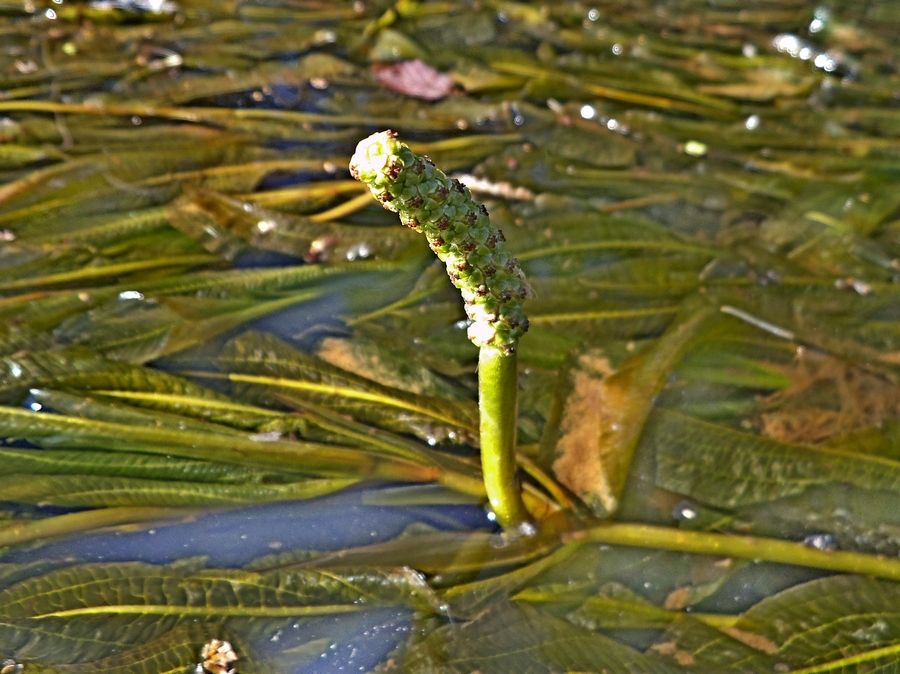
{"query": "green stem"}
(497, 390)
(742, 547)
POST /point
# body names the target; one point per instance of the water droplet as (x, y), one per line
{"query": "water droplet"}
(695, 148)
(684, 511)
(130, 295)
(821, 541)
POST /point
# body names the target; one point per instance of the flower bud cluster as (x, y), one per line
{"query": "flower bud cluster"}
(458, 231)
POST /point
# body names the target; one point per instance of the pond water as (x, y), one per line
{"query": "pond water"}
(238, 400)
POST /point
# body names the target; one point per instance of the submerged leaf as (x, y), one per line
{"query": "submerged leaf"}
(602, 417)
(276, 365)
(512, 638)
(97, 491)
(727, 468)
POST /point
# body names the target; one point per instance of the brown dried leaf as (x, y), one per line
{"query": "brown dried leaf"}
(828, 397)
(413, 78)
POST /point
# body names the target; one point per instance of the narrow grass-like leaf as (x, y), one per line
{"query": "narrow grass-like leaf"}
(138, 331)
(126, 464)
(52, 430)
(264, 361)
(104, 491)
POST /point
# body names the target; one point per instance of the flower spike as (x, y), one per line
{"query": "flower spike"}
(458, 230)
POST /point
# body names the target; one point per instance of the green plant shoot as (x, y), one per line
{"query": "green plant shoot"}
(490, 280)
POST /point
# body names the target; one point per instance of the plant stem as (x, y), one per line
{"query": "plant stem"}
(497, 391)
(743, 547)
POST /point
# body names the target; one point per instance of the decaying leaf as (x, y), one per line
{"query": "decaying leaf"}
(413, 78)
(603, 414)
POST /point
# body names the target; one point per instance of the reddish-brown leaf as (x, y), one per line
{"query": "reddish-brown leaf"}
(413, 78)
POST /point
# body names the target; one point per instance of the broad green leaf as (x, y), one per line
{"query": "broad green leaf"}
(79, 368)
(65, 642)
(135, 588)
(101, 410)
(727, 468)
(101, 230)
(837, 623)
(691, 645)
(520, 638)
(71, 524)
(173, 652)
(616, 606)
(380, 360)
(834, 624)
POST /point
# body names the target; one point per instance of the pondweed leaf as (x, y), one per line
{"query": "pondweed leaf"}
(374, 356)
(104, 491)
(135, 588)
(305, 237)
(79, 368)
(727, 468)
(616, 607)
(173, 652)
(835, 624)
(126, 464)
(258, 362)
(512, 638)
(691, 645)
(649, 168)
(467, 600)
(104, 409)
(58, 431)
(600, 414)
(136, 331)
(88, 612)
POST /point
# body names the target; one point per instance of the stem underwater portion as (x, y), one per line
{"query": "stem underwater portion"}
(497, 404)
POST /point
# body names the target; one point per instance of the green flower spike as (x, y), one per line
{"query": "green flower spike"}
(491, 282)
(458, 230)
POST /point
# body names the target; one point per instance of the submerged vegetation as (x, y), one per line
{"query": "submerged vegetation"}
(201, 311)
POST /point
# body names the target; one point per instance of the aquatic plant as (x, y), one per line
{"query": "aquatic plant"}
(492, 284)
(705, 201)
